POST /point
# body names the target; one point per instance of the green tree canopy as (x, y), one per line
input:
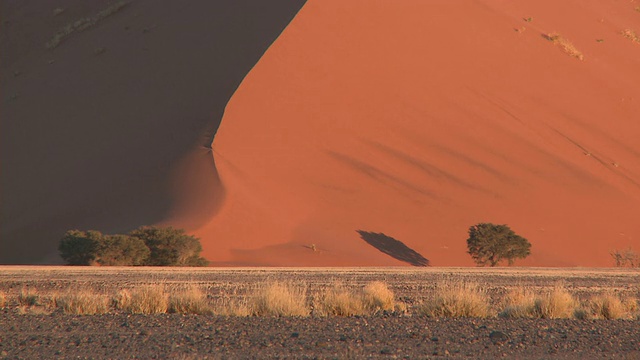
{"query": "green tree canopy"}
(170, 247)
(80, 247)
(121, 250)
(489, 244)
(144, 246)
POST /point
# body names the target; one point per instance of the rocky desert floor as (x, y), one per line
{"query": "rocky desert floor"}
(398, 334)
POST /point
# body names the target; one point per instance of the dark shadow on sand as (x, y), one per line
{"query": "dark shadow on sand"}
(394, 248)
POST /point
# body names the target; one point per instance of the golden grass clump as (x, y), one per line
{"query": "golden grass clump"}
(555, 304)
(189, 301)
(279, 299)
(631, 35)
(3, 300)
(378, 297)
(565, 45)
(457, 299)
(630, 304)
(607, 306)
(83, 303)
(518, 303)
(231, 307)
(149, 299)
(338, 300)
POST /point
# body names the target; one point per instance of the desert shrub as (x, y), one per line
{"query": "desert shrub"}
(189, 301)
(518, 303)
(490, 244)
(80, 247)
(457, 299)
(170, 247)
(83, 302)
(148, 299)
(626, 258)
(558, 303)
(121, 250)
(279, 299)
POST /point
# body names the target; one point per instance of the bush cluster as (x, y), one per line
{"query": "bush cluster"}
(150, 246)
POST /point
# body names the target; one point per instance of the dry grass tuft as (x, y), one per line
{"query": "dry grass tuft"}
(189, 301)
(339, 301)
(149, 299)
(631, 35)
(33, 310)
(556, 304)
(378, 297)
(518, 303)
(607, 306)
(279, 299)
(29, 297)
(582, 314)
(3, 300)
(630, 304)
(229, 307)
(457, 299)
(83, 303)
(565, 45)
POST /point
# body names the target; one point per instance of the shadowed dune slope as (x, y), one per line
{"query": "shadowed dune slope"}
(418, 119)
(108, 110)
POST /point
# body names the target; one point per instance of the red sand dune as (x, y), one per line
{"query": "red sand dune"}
(421, 118)
(416, 119)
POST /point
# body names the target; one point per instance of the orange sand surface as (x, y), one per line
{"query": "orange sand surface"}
(421, 118)
(416, 119)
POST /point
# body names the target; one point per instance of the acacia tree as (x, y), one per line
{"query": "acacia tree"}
(121, 250)
(489, 244)
(79, 247)
(94, 248)
(170, 247)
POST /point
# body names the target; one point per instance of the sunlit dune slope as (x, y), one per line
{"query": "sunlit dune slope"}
(108, 110)
(419, 119)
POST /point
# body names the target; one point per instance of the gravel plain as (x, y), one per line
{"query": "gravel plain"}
(173, 336)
